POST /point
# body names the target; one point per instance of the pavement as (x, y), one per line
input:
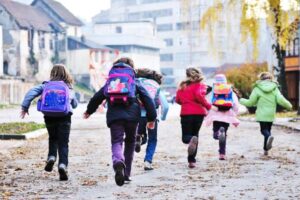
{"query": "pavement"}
(246, 174)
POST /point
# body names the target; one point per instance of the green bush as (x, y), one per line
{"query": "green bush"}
(19, 127)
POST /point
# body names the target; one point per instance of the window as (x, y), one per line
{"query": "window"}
(118, 29)
(51, 44)
(167, 71)
(296, 47)
(169, 42)
(150, 14)
(41, 40)
(164, 27)
(166, 57)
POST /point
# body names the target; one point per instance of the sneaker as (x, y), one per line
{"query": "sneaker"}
(266, 153)
(138, 144)
(222, 157)
(63, 173)
(269, 143)
(49, 164)
(119, 176)
(192, 165)
(192, 145)
(222, 135)
(127, 179)
(147, 166)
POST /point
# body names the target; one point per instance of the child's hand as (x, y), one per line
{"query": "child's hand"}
(214, 108)
(86, 115)
(151, 125)
(23, 113)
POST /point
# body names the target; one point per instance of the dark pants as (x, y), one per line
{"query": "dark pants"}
(265, 129)
(190, 125)
(59, 132)
(151, 139)
(216, 129)
(118, 129)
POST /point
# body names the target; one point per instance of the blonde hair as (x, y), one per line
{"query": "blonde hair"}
(60, 73)
(265, 76)
(193, 76)
(125, 60)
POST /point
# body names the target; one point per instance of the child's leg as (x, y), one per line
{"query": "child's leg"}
(186, 126)
(152, 142)
(218, 128)
(63, 141)
(265, 128)
(130, 130)
(53, 139)
(196, 125)
(141, 134)
(117, 131)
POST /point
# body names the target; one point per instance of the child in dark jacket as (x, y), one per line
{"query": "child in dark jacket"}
(151, 80)
(194, 107)
(123, 120)
(58, 126)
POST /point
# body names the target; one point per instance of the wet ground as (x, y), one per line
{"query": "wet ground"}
(246, 174)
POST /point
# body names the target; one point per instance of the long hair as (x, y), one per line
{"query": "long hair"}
(193, 76)
(60, 73)
(150, 74)
(125, 60)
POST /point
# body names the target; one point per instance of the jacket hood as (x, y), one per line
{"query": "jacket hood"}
(266, 86)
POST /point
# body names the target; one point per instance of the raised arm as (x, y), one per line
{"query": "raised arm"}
(281, 100)
(164, 106)
(95, 101)
(252, 101)
(30, 95)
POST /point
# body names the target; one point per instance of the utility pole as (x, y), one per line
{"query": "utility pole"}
(298, 69)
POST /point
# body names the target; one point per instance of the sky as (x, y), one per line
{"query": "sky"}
(84, 9)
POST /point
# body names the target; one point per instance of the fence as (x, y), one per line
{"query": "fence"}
(13, 91)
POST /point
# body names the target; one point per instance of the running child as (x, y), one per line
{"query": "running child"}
(151, 81)
(194, 107)
(56, 102)
(123, 114)
(265, 96)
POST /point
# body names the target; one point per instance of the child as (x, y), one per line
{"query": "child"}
(265, 96)
(122, 118)
(58, 126)
(224, 116)
(150, 80)
(194, 106)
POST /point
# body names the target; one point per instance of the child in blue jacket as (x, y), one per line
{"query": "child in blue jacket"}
(58, 126)
(122, 120)
(151, 80)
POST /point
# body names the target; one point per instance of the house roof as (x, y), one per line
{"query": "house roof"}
(64, 14)
(88, 44)
(27, 16)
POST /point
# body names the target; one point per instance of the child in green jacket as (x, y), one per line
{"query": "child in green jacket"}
(265, 96)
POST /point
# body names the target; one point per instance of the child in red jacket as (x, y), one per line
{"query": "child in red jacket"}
(194, 107)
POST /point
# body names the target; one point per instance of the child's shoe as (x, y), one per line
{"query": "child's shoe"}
(127, 179)
(138, 143)
(222, 157)
(192, 165)
(147, 166)
(266, 153)
(222, 135)
(63, 173)
(269, 143)
(120, 174)
(192, 145)
(49, 164)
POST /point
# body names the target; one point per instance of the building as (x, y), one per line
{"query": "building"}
(28, 41)
(177, 24)
(134, 39)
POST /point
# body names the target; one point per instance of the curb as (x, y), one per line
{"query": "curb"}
(24, 136)
(278, 124)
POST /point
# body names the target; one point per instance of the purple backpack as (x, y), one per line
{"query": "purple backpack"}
(54, 100)
(120, 85)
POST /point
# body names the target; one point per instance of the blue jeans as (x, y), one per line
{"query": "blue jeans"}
(265, 129)
(152, 138)
(59, 132)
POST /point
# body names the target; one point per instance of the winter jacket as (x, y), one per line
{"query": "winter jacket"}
(229, 116)
(37, 91)
(265, 96)
(192, 99)
(131, 112)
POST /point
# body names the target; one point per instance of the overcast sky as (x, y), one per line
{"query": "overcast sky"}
(85, 9)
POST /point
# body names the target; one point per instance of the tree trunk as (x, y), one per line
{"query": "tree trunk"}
(280, 68)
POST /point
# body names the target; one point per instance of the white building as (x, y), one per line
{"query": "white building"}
(178, 25)
(1, 52)
(135, 39)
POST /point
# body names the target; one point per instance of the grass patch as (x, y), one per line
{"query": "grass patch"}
(83, 89)
(19, 127)
(6, 106)
(290, 114)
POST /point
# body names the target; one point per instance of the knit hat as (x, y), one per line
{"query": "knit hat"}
(220, 78)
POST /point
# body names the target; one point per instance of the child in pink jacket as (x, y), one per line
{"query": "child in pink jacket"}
(222, 119)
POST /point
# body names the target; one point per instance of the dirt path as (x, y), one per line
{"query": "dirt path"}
(245, 175)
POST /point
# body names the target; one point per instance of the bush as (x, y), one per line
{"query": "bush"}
(245, 76)
(19, 127)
